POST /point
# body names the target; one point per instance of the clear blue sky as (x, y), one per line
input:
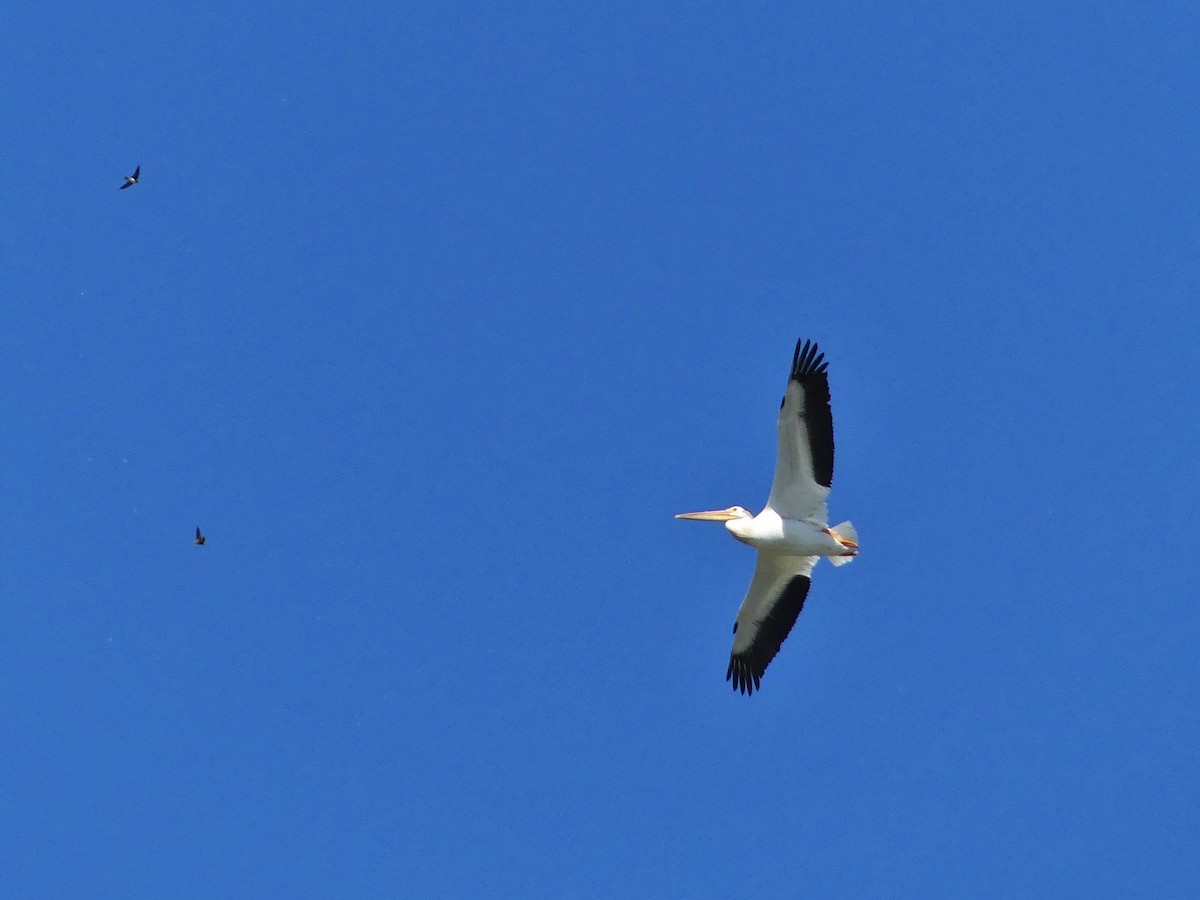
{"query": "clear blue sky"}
(432, 315)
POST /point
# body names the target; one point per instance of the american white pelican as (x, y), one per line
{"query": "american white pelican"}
(791, 533)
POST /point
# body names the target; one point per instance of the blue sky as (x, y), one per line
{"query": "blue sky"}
(432, 315)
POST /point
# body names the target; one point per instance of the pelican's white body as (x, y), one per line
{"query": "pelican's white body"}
(790, 537)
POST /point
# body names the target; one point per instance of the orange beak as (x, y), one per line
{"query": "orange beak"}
(713, 515)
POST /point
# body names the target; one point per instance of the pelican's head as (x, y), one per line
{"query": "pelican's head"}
(732, 517)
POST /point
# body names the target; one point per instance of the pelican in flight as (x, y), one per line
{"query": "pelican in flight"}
(792, 531)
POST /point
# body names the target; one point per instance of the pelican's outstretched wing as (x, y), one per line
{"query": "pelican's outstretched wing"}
(804, 466)
(767, 615)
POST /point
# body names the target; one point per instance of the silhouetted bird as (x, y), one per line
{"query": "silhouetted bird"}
(131, 180)
(199, 541)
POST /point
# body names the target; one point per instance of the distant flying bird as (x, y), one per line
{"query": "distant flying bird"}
(199, 540)
(791, 533)
(131, 180)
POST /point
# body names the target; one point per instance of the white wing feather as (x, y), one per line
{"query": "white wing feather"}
(795, 493)
(771, 575)
(772, 605)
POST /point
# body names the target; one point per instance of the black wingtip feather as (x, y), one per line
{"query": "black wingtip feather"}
(744, 678)
(808, 360)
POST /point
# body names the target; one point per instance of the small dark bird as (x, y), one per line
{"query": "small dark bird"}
(131, 180)
(199, 541)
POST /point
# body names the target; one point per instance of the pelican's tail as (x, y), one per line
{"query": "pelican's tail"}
(849, 538)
